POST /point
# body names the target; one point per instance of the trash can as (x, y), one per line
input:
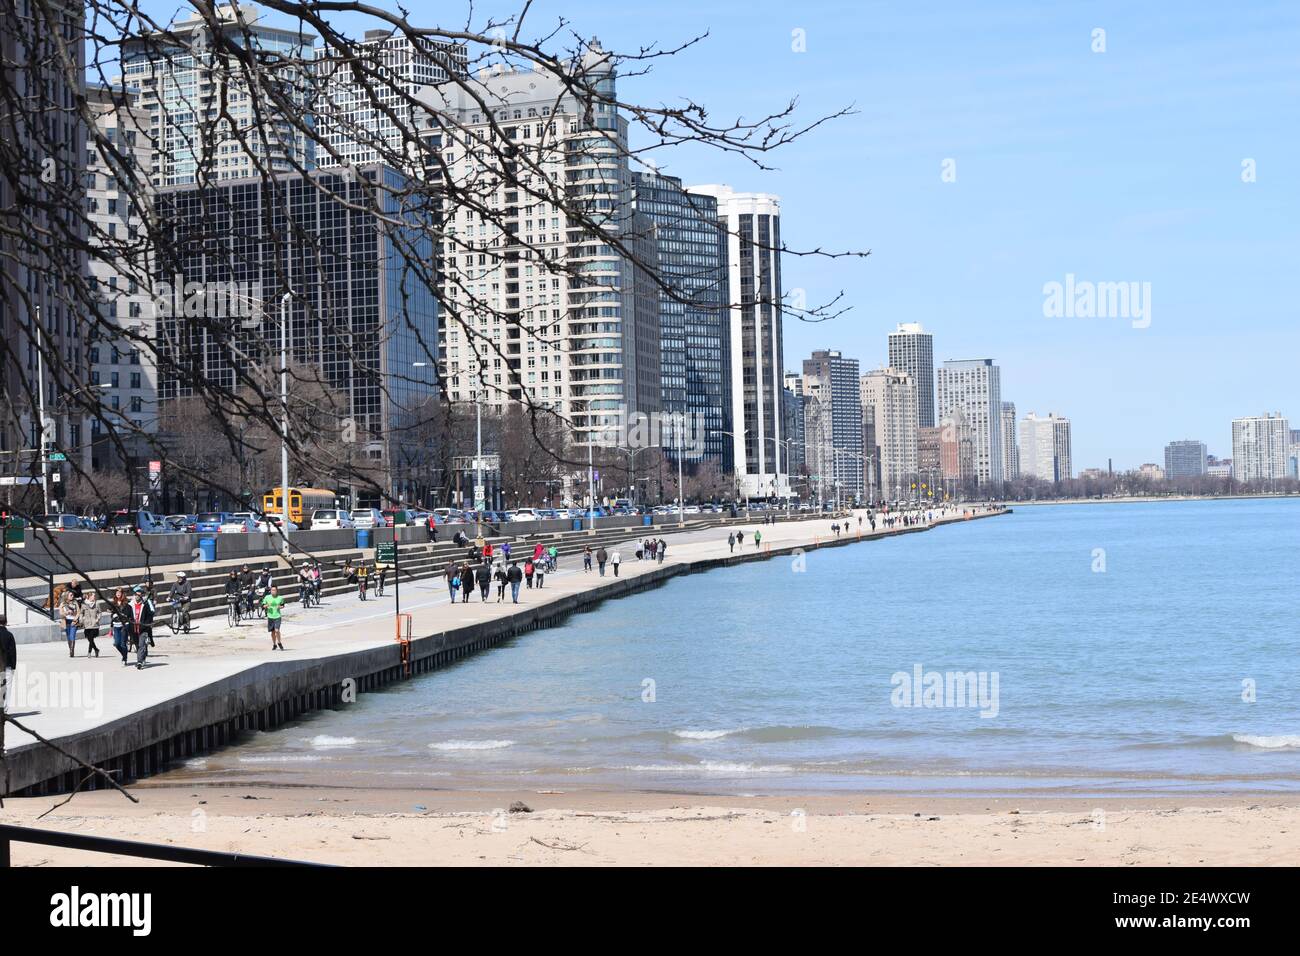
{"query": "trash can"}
(577, 524)
(647, 520)
(207, 549)
(363, 538)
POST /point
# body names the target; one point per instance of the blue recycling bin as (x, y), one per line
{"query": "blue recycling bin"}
(207, 549)
(363, 538)
(647, 520)
(577, 524)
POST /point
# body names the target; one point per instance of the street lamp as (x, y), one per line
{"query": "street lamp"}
(732, 436)
(284, 425)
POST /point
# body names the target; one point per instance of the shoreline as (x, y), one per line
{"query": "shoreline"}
(410, 827)
(1138, 499)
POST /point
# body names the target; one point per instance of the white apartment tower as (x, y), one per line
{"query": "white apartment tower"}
(366, 122)
(970, 390)
(1045, 448)
(911, 350)
(890, 400)
(1010, 448)
(1259, 447)
(200, 108)
(534, 307)
(754, 330)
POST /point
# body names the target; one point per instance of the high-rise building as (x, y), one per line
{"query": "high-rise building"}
(752, 222)
(929, 457)
(520, 324)
(795, 411)
(1010, 447)
(692, 247)
(970, 392)
(1045, 448)
(42, 231)
(1259, 447)
(835, 379)
(956, 450)
(1185, 459)
(889, 399)
(206, 124)
(911, 350)
(360, 314)
(122, 365)
(365, 110)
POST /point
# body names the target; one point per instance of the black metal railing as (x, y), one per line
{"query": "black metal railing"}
(149, 851)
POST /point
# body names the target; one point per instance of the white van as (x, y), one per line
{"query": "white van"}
(331, 519)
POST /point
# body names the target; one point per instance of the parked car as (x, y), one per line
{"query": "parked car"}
(449, 515)
(524, 514)
(209, 521)
(273, 523)
(132, 522)
(331, 519)
(368, 518)
(238, 524)
(181, 523)
(55, 522)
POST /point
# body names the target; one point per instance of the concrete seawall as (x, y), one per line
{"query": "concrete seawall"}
(268, 694)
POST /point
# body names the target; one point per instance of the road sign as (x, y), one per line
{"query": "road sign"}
(58, 456)
(14, 533)
(386, 553)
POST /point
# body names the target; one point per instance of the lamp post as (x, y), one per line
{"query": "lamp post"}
(739, 487)
(284, 426)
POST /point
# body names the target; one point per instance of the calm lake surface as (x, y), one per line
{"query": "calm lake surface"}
(1136, 647)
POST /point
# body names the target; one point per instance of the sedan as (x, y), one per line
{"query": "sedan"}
(237, 524)
(54, 522)
(273, 523)
(368, 518)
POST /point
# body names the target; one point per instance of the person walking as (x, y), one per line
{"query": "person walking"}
(273, 602)
(70, 612)
(731, 542)
(92, 609)
(586, 559)
(529, 570)
(539, 571)
(515, 577)
(141, 626)
(661, 548)
(601, 557)
(502, 579)
(432, 525)
(740, 539)
(120, 622)
(758, 540)
(484, 578)
(452, 574)
(8, 656)
(466, 582)
(615, 559)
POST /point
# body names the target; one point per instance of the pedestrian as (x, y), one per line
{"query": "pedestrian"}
(601, 557)
(515, 576)
(141, 625)
(8, 656)
(466, 582)
(539, 572)
(452, 574)
(502, 579)
(484, 578)
(614, 559)
(92, 609)
(740, 539)
(731, 542)
(120, 621)
(553, 558)
(432, 525)
(662, 549)
(274, 604)
(70, 612)
(586, 559)
(505, 550)
(529, 570)
(758, 539)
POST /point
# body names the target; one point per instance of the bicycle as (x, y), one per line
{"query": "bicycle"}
(232, 610)
(179, 618)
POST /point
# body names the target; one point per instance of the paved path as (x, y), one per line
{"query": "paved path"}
(55, 695)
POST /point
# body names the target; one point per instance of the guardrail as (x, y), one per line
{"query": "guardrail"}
(29, 570)
(149, 851)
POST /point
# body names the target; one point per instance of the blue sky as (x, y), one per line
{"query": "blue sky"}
(1117, 166)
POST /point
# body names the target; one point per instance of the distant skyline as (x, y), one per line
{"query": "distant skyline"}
(1116, 166)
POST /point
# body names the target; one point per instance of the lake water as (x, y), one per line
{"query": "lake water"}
(1120, 647)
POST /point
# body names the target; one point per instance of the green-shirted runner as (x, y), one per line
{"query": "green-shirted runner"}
(273, 603)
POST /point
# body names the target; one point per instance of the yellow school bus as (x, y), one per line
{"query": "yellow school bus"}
(302, 502)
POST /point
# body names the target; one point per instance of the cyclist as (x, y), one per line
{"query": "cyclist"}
(363, 579)
(382, 569)
(182, 593)
(233, 593)
(316, 579)
(304, 585)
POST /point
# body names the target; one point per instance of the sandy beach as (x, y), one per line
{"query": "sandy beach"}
(464, 828)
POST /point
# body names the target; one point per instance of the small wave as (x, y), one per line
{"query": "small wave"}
(472, 745)
(283, 758)
(708, 766)
(323, 741)
(1276, 742)
(703, 734)
(199, 763)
